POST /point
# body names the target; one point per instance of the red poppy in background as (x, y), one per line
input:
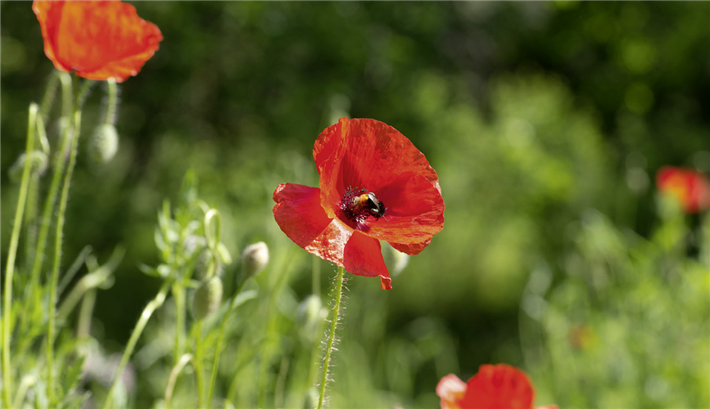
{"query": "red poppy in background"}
(493, 387)
(97, 39)
(690, 187)
(374, 185)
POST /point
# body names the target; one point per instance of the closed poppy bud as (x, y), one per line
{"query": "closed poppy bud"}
(254, 259)
(38, 165)
(207, 298)
(97, 40)
(103, 144)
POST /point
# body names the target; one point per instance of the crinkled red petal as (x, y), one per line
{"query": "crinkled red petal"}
(498, 387)
(411, 249)
(299, 214)
(363, 257)
(372, 155)
(97, 39)
(451, 390)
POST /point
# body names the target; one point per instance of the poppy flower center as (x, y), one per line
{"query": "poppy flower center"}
(358, 204)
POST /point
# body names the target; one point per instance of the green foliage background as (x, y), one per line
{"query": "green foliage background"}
(546, 123)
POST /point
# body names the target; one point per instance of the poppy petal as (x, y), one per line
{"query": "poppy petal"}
(299, 215)
(372, 155)
(690, 187)
(412, 249)
(450, 389)
(498, 387)
(414, 211)
(363, 257)
(97, 39)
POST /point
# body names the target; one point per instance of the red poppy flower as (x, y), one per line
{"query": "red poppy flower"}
(493, 387)
(690, 187)
(374, 185)
(97, 39)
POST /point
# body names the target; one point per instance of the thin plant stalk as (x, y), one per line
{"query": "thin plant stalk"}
(331, 336)
(137, 331)
(12, 253)
(83, 327)
(112, 102)
(179, 297)
(57, 255)
(197, 363)
(31, 216)
(174, 373)
(52, 195)
(220, 339)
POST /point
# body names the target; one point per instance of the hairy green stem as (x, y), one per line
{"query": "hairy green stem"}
(12, 253)
(331, 336)
(110, 117)
(64, 198)
(220, 339)
(137, 331)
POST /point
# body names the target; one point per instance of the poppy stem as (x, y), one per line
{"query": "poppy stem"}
(64, 198)
(197, 364)
(112, 102)
(137, 331)
(9, 269)
(331, 336)
(220, 340)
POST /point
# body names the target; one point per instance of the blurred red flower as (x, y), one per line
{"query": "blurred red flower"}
(374, 185)
(97, 39)
(690, 187)
(493, 387)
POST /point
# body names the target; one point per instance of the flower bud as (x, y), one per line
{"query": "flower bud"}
(38, 165)
(207, 298)
(254, 259)
(103, 144)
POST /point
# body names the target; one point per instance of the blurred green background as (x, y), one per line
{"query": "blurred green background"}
(546, 123)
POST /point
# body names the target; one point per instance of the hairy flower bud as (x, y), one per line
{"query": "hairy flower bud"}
(103, 144)
(254, 259)
(38, 165)
(207, 298)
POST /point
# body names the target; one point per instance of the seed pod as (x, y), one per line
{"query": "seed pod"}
(254, 259)
(38, 165)
(103, 144)
(207, 298)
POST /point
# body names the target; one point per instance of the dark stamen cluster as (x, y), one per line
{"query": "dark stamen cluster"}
(351, 206)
